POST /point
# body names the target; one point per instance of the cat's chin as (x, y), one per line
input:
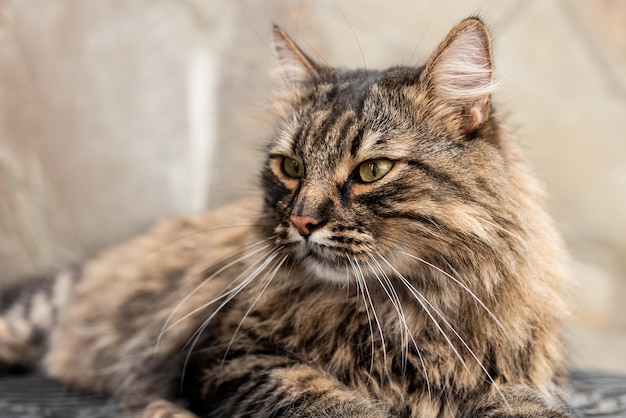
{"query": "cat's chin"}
(327, 273)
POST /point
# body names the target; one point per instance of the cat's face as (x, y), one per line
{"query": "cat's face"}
(368, 169)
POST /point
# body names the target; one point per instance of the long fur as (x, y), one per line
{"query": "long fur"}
(429, 289)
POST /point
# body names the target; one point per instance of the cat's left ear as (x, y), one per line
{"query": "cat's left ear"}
(294, 66)
(460, 71)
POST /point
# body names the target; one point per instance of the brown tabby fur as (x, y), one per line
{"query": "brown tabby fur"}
(433, 291)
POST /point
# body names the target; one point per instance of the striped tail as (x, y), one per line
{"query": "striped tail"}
(28, 312)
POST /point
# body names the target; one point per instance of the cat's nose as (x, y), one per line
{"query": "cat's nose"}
(304, 224)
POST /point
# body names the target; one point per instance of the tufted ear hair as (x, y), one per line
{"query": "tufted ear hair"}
(294, 66)
(461, 71)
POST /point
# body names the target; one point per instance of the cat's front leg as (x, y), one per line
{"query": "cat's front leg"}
(520, 402)
(288, 391)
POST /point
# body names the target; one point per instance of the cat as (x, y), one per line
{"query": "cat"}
(397, 263)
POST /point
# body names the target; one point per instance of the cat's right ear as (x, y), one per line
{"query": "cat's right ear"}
(294, 66)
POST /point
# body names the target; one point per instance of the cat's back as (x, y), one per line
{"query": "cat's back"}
(171, 251)
(140, 296)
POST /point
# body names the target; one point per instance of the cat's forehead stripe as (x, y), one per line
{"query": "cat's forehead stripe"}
(356, 141)
(368, 145)
(325, 134)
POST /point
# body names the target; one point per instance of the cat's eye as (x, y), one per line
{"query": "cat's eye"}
(292, 168)
(372, 170)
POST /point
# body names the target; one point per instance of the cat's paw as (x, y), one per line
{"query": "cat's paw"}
(164, 409)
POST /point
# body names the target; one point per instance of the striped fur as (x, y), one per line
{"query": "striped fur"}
(427, 287)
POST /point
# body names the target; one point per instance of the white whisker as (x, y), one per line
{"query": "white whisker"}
(236, 290)
(195, 337)
(421, 299)
(166, 325)
(268, 279)
(360, 289)
(503, 229)
(402, 316)
(418, 295)
(461, 283)
(395, 302)
(403, 329)
(376, 318)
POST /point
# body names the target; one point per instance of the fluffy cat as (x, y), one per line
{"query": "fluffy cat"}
(398, 264)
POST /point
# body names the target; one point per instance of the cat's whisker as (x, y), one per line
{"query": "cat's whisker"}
(226, 292)
(166, 325)
(420, 297)
(232, 293)
(435, 224)
(506, 231)
(407, 331)
(419, 42)
(200, 231)
(195, 337)
(374, 314)
(267, 280)
(417, 350)
(463, 342)
(464, 286)
(479, 301)
(395, 302)
(360, 289)
(400, 313)
(422, 300)
(356, 38)
(406, 334)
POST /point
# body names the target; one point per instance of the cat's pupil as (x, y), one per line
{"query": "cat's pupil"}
(292, 168)
(373, 170)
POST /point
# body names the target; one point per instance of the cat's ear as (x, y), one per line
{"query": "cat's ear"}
(461, 71)
(294, 66)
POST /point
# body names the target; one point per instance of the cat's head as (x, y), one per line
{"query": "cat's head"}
(370, 171)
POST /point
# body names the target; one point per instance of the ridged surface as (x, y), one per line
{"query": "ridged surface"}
(33, 396)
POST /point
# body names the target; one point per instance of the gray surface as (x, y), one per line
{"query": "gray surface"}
(599, 394)
(33, 396)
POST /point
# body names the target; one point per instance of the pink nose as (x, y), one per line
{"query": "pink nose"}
(304, 224)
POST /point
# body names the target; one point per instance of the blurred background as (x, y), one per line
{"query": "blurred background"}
(116, 114)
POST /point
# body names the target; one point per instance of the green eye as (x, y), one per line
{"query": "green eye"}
(373, 170)
(292, 168)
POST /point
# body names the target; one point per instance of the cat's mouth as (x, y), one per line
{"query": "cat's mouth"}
(315, 253)
(321, 256)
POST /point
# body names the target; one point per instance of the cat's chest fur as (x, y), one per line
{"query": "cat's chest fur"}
(359, 338)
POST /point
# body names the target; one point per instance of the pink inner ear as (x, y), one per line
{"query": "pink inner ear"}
(478, 112)
(462, 73)
(463, 70)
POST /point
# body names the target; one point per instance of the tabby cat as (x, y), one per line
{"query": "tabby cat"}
(398, 264)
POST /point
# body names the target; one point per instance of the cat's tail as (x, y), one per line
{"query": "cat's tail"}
(28, 312)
